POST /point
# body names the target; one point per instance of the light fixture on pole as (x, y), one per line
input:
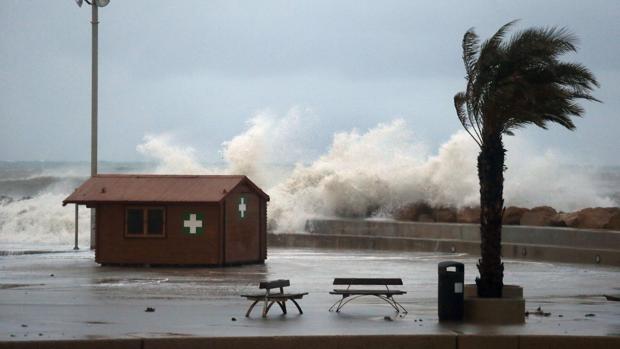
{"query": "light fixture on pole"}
(94, 4)
(100, 3)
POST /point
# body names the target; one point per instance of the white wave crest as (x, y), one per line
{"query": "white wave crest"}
(171, 158)
(375, 172)
(362, 174)
(42, 220)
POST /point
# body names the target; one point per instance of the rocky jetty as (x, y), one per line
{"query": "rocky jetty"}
(587, 218)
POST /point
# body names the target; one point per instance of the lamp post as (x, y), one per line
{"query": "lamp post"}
(94, 4)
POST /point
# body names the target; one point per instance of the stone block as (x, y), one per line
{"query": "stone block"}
(597, 217)
(468, 215)
(538, 216)
(513, 214)
(614, 222)
(445, 214)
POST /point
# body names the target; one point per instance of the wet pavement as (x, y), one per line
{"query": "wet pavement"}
(67, 295)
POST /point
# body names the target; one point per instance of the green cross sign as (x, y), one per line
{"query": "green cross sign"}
(193, 223)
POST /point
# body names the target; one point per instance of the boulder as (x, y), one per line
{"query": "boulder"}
(614, 222)
(425, 218)
(513, 214)
(558, 220)
(597, 217)
(413, 211)
(468, 215)
(588, 218)
(570, 219)
(539, 216)
(445, 214)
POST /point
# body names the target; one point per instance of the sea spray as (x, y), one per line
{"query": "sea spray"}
(171, 158)
(265, 150)
(376, 172)
(537, 177)
(362, 174)
(41, 221)
(31, 211)
(373, 174)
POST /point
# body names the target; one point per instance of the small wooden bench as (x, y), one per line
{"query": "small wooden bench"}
(270, 298)
(350, 294)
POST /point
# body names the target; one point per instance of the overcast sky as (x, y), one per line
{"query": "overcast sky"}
(198, 70)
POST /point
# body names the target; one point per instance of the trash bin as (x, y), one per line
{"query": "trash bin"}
(450, 290)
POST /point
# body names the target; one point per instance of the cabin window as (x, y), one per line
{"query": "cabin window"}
(135, 219)
(155, 222)
(144, 221)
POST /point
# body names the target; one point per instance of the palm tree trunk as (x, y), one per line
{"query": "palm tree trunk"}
(491, 176)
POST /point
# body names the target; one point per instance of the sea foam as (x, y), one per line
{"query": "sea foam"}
(372, 173)
(367, 173)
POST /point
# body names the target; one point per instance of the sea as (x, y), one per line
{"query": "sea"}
(31, 193)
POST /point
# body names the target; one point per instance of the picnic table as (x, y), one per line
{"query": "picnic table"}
(348, 294)
(270, 298)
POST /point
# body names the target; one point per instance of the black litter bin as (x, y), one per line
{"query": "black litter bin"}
(450, 290)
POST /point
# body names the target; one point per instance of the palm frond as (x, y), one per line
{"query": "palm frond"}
(498, 37)
(521, 81)
(541, 43)
(490, 55)
(471, 47)
(460, 99)
(575, 75)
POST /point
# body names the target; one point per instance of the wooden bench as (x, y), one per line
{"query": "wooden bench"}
(270, 298)
(350, 294)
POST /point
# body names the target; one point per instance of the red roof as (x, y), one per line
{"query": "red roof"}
(118, 188)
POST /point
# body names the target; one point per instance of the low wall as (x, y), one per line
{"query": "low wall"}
(439, 341)
(520, 242)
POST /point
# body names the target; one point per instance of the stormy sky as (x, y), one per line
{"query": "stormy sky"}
(198, 70)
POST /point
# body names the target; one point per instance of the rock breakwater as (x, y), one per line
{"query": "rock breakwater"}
(587, 218)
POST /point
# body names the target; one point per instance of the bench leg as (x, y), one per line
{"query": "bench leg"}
(389, 300)
(397, 306)
(280, 303)
(333, 305)
(348, 299)
(297, 305)
(266, 307)
(250, 308)
(338, 305)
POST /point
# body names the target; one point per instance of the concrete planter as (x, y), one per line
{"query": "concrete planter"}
(510, 309)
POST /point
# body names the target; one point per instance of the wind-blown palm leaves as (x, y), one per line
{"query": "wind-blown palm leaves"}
(521, 81)
(512, 83)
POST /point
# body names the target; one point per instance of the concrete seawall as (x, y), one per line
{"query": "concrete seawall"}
(520, 242)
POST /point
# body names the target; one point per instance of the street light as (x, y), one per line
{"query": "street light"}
(94, 4)
(100, 3)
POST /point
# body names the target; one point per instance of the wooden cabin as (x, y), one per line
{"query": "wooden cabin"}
(176, 220)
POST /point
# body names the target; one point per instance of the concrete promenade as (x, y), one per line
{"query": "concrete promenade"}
(519, 242)
(65, 300)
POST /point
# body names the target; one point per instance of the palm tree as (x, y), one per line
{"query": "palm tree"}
(512, 83)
